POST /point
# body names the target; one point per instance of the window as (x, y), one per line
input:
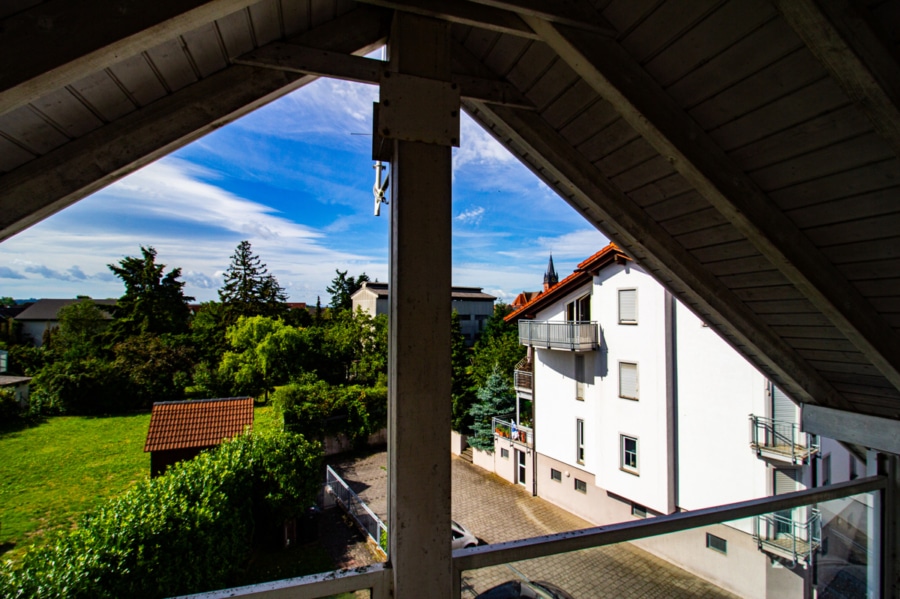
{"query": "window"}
(555, 475)
(854, 474)
(580, 377)
(628, 380)
(716, 543)
(627, 306)
(504, 453)
(638, 511)
(826, 470)
(629, 449)
(580, 486)
(579, 310)
(579, 434)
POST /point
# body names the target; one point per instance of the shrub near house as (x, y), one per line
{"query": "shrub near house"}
(187, 531)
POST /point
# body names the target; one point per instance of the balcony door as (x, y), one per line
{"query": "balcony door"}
(521, 471)
(579, 310)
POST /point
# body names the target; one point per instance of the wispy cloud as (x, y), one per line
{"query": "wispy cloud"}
(471, 216)
(8, 273)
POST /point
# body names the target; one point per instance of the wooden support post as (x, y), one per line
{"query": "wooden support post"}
(419, 370)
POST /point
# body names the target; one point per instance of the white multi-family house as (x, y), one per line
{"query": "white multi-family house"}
(629, 406)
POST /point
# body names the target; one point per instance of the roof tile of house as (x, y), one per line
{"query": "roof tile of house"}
(197, 423)
(583, 272)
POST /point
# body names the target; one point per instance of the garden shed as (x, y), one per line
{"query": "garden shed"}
(179, 430)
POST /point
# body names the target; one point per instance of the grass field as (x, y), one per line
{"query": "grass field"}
(52, 473)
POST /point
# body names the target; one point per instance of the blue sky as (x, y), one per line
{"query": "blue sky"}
(294, 180)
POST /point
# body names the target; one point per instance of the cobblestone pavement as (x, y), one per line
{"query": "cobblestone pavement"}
(496, 511)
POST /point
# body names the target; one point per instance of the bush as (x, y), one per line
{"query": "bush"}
(187, 531)
(316, 409)
(91, 386)
(10, 411)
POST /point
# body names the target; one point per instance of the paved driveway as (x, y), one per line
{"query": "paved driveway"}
(495, 511)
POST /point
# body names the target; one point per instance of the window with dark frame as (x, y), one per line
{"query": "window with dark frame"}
(638, 511)
(579, 435)
(555, 475)
(716, 543)
(580, 486)
(629, 454)
(580, 377)
(504, 453)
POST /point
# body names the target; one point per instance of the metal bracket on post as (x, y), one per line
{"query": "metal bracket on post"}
(418, 109)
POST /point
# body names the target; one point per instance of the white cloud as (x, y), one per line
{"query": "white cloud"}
(576, 245)
(478, 147)
(471, 216)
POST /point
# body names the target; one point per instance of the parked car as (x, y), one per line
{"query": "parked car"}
(514, 589)
(461, 536)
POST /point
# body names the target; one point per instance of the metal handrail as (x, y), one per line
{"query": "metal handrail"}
(781, 437)
(356, 507)
(782, 533)
(560, 335)
(516, 432)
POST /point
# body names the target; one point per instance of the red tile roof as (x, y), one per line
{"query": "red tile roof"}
(583, 272)
(197, 423)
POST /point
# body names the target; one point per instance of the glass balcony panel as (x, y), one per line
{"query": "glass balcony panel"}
(719, 560)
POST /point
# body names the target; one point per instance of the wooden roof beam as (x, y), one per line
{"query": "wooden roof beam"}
(50, 183)
(58, 42)
(615, 75)
(842, 36)
(462, 13)
(315, 61)
(601, 201)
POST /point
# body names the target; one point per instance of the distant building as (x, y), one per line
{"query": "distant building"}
(18, 385)
(473, 306)
(179, 430)
(44, 315)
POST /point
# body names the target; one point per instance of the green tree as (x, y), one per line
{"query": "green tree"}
(342, 287)
(158, 367)
(263, 354)
(461, 394)
(6, 301)
(79, 326)
(354, 348)
(495, 399)
(249, 289)
(208, 327)
(153, 302)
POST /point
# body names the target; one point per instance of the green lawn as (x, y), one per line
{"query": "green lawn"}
(52, 473)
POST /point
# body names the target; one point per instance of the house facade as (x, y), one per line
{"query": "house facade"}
(43, 315)
(639, 409)
(471, 303)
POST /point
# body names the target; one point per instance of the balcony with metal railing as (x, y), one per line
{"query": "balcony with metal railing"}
(573, 336)
(517, 433)
(781, 441)
(792, 534)
(523, 378)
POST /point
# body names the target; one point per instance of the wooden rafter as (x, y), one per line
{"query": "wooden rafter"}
(75, 39)
(602, 202)
(615, 75)
(315, 61)
(50, 183)
(844, 40)
(463, 13)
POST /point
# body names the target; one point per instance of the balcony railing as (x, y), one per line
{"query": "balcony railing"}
(514, 432)
(793, 534)
(782, 441)
(523, 377)
(377, 577)
(581, 336)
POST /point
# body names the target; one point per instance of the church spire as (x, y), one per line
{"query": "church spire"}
(550, 277)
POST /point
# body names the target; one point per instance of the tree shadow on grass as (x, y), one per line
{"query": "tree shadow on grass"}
(4, 547)
(9, 427)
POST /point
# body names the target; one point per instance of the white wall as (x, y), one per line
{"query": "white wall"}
(717, 391)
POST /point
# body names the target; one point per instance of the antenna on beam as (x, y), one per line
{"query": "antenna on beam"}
(380, 186)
